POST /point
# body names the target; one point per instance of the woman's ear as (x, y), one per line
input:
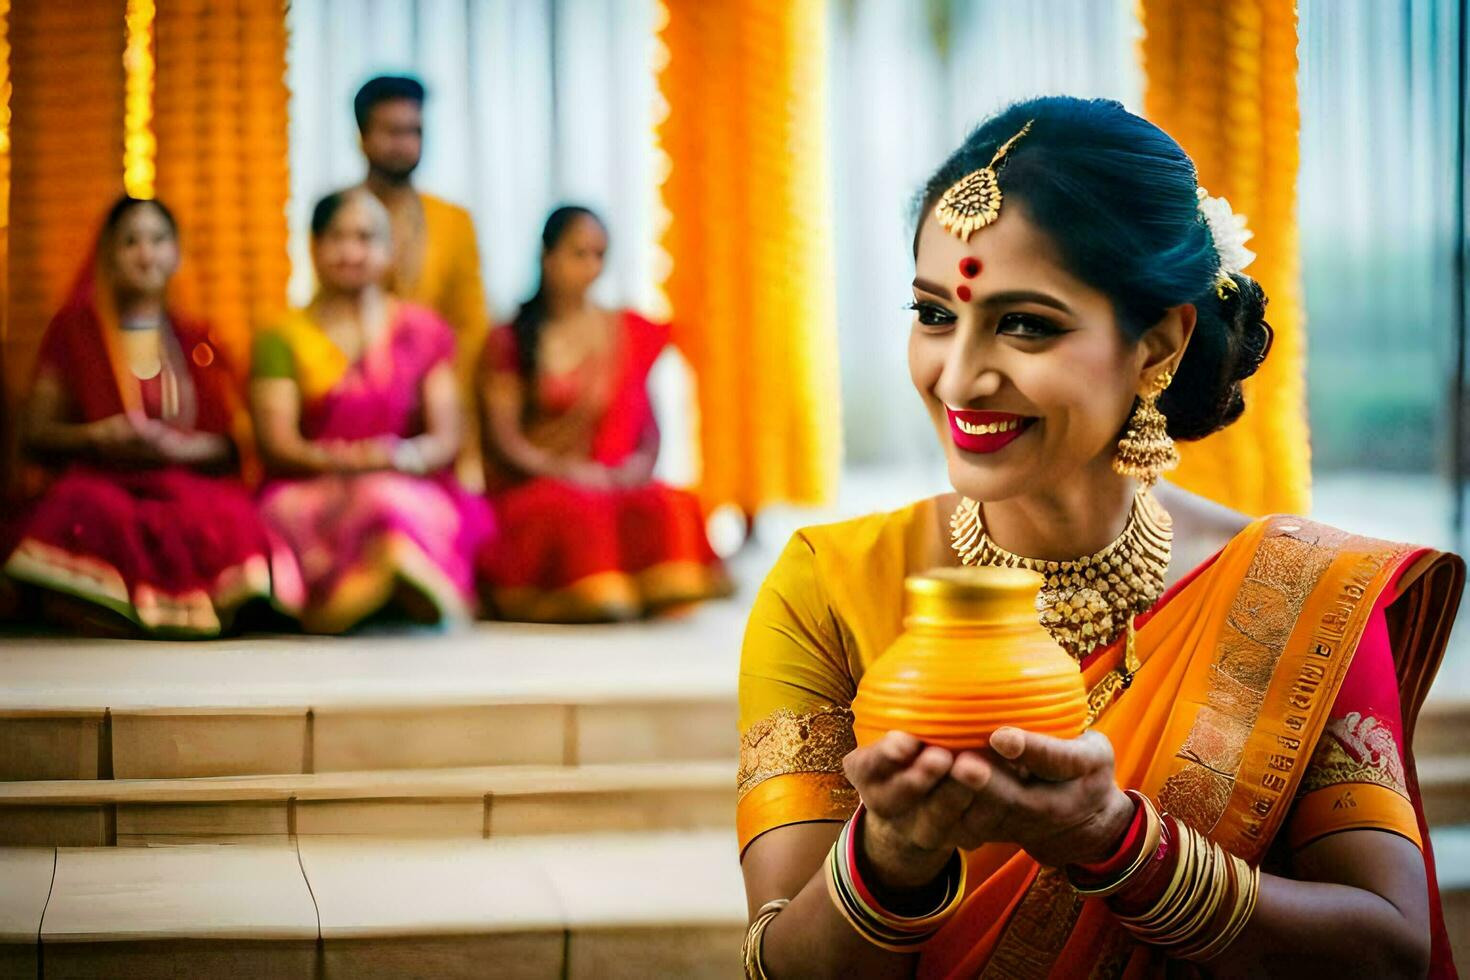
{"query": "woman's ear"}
(1162, 347)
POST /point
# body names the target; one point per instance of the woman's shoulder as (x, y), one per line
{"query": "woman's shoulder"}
(869, 552)
(646, 337)
(1291, 542)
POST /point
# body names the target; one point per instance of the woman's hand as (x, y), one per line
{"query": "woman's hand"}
(592, 476)
(181, 446)
(119, 437)
(1057, 798)
(359, 455)
(917, 798)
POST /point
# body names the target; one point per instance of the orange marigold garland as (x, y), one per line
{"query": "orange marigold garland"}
(66, 137)
(750, 283)
(220, 113)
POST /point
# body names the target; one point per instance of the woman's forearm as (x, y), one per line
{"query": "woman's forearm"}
(1316, 928)
(59, 439)
(300, 457)
(810, 938)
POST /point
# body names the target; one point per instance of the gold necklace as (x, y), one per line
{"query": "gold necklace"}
(1086, 602)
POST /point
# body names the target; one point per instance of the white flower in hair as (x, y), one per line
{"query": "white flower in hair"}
(1228, 230)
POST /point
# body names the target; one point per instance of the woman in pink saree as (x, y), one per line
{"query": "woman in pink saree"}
(359, 422)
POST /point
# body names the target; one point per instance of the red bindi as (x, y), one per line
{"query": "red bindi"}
(963, 292)
(969, 267)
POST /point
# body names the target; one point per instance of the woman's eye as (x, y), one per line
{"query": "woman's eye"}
(1028, 326)
(931, 315)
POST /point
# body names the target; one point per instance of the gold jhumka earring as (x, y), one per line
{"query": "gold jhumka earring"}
(1146, 450)
(973, 201)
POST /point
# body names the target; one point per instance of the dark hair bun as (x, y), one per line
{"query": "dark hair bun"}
(1231, 340)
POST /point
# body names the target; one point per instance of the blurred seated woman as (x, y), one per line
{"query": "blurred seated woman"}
(359, 421)
(148, 528)
(571, 443)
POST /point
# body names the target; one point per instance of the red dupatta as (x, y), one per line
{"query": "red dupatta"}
(82, 345)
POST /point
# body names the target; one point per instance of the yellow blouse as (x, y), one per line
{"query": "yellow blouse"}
(832, 604)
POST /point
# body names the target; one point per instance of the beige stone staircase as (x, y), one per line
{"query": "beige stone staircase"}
(506, 802)
(418, 805)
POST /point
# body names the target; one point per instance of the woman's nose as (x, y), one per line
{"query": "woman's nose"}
(967, 376)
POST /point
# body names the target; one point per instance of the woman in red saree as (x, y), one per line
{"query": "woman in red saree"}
(1245, 802)
(570, 448)
(359, 419)
(149, 527)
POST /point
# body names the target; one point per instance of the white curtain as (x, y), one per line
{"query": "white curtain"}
(1380, 107)
(908, 81)
(531, 104)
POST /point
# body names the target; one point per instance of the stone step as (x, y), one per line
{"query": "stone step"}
(1444, 785)
(604, 906)
(173, 743)
(1443, 728)
(634, 905)
(466, 803)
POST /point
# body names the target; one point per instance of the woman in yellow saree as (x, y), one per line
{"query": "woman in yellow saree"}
(1257, 681)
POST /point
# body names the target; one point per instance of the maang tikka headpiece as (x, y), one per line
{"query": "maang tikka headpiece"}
(973, 201)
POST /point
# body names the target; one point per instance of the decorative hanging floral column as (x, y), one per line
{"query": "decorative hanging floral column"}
(1221, 79)
(219, 115)
(751, 282)
(66, 159)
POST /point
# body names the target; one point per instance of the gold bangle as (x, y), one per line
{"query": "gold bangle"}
(755, 968)
(1176, 901)
(1199, 898)
(1240, 918)
(1171, 891)
(878, 926)
(1206, 900)
(1209, 939)
(1209, 893)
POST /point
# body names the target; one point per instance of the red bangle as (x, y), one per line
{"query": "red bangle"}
(1154, 878)
(1126, 851)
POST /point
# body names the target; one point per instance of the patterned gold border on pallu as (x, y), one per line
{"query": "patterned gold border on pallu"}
(1262, 699)
(1286, 647)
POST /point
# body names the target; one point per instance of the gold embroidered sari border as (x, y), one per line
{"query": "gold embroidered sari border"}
(1280, 659)
(787, 742)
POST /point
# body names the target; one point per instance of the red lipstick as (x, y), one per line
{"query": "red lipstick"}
(986, 432)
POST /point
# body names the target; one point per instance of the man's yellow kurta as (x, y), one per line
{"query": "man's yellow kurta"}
(437, 265)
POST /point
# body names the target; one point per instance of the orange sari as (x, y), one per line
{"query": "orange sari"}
(1242, 663)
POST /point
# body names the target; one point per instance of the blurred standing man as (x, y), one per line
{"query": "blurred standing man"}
(436, 262)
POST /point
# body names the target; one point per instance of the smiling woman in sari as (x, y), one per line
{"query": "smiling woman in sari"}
(358, 416)
(148, 527)
(1245, 801)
